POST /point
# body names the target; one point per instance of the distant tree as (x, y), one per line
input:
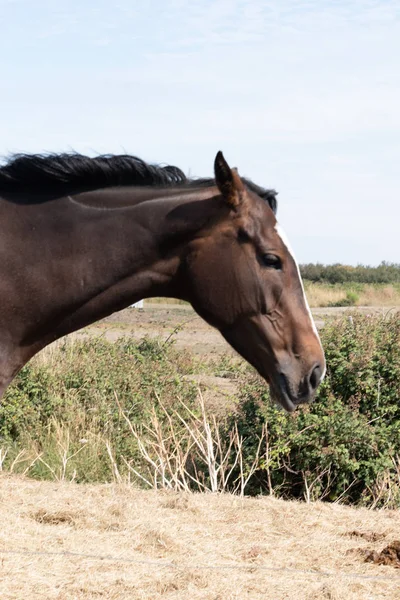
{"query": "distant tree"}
(337, 273)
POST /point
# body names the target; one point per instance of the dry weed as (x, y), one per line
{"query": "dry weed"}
(155, 542)
(322, 295)
(169, 547)
(176, 501)
(60, 517)
(370, 536)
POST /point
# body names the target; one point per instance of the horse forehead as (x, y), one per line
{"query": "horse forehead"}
(266, 224)
(260, 215)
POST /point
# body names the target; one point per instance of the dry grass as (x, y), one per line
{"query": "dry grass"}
(323, 295)
(320, 295)
(175, 546)
(387, 295)
(162, 300)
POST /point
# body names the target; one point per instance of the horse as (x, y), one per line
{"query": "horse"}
(84, 237)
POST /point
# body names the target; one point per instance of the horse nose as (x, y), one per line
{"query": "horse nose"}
(314, 378)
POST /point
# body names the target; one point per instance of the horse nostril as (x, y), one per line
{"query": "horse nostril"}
(315, 376)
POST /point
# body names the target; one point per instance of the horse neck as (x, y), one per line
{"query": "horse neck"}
(158, 227)
(112, 254)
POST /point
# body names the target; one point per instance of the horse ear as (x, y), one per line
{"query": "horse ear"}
(228, 181)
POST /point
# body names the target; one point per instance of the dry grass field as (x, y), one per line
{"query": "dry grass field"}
(76, 542)
(324, 294)
(319, 294)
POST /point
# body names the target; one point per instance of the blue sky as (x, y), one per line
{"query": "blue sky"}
(301, 95)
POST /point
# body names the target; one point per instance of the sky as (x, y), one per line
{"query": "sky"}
(302, 96)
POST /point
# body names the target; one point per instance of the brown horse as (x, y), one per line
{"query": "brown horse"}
(84, 237)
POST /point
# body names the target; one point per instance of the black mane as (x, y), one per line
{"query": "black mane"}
(62, 173)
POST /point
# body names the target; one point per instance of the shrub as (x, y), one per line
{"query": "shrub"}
(350, 299)
(72, 417)
(383, 273)
(77, 389)
(345, 444)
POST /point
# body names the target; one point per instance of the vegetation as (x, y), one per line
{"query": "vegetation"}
(343, 285)
(117, 542)
(62, 410)
(335, 294)
(95, 411)
(338, 273)
(346, 446)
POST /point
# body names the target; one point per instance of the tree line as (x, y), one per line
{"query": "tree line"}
(319, 273)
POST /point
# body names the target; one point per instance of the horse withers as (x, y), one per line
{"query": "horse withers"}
(84, 237)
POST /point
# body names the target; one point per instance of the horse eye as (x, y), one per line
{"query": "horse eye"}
(272, 261)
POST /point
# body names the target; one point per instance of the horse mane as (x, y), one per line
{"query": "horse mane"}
(60, 173)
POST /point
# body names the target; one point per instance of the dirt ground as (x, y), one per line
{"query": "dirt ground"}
(183, 324)
(66, 541)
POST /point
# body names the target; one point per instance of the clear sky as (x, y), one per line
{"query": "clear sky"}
(301, 95)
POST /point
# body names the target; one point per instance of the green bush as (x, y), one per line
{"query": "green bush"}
(338, 273)
(345, 444)
(78, 389)
(350, 299)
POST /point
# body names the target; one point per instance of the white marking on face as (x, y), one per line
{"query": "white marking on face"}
(286, 243)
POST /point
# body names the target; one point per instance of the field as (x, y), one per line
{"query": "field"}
(357, 294)
(179, 321)
(351, 293)
(62, 540)
(81, 542)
